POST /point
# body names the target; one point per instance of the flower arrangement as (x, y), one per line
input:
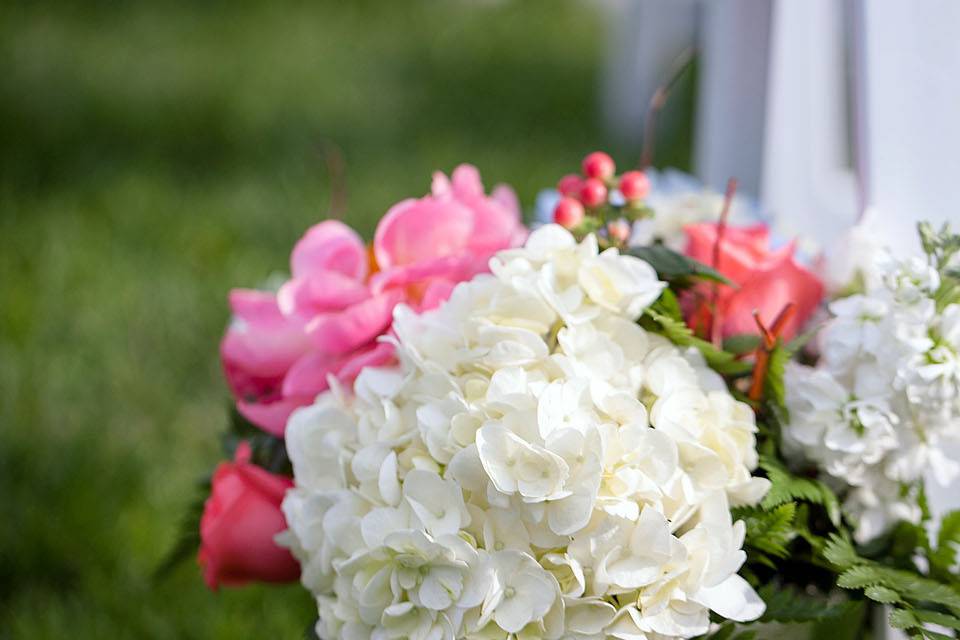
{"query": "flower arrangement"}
(597, 429)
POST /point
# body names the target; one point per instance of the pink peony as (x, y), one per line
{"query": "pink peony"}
(326, 320)
(766, 280)
(240, 519)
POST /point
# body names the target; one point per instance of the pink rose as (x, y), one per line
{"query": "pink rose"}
(425, 247)
(326, 320)
(240, 519)
(767, 280)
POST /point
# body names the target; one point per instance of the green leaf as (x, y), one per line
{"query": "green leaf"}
(935, 617)
(188, 536)
(903, 619)
(881, 594)
(769, 531)
(788, 604)
(908, 585)
(266, 450)
(799, 342)
(840, 552)
(676, 268)
(786, 487)
(774, 388)
(725, 632)
(859, 577)
(943, 560)
(664, 317)
(742, 343)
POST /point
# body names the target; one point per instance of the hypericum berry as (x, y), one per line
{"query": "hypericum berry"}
(568, 213)
(593, 193)
(599, 165)
(619, 231)
(569, 185)
(634, 185)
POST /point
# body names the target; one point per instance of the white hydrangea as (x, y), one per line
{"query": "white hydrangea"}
(885, 396)
(538, 466)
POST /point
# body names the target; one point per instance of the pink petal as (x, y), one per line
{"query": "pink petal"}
(321, 291)
(341, 332)
(769, 292)
(466, 182)
(438, 291)
(255, 305)
(415, 230)
(308, 376)
(742, 251)
(495, 227)
(507, 198)
(440, 187)
(260, 344)
(380, 354)
(271, 416)
(329, 246)
(455, 268)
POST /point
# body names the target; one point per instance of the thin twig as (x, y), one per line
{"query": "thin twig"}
(680, 65)
(716, 323)
(768, 341)
(332, 157)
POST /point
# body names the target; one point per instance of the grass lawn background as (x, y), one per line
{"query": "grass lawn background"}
(153, 155)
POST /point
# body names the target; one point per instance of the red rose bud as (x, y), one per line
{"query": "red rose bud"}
(569, 185)
(599, 165)
(568, 213)
(634, 185)
(240, 519)
(593, 193)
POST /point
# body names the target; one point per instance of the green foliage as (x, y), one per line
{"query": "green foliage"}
(917, 600)
(742, 344)
(790, 605)
(943, 560)
(664, 317)
(188, 536)
(786, 487)
(768, 532)
(731, 631)
(774, 388)
(941, 246)
(677, 269)
(267, 451)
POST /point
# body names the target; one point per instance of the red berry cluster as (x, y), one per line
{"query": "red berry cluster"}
(589, 193)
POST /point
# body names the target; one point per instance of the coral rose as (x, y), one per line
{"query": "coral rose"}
(767, 279)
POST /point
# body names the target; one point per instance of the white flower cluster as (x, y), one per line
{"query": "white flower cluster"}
(539, 466)
(885, 396)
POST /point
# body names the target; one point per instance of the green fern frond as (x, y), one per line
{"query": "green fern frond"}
(664, 317)
(769, 531)
(944, 559)
(786, 487)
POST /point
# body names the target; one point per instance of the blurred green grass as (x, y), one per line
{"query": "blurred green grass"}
(153, 155)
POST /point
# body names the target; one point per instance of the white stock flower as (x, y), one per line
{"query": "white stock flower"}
(537, 465)
(885, 397)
